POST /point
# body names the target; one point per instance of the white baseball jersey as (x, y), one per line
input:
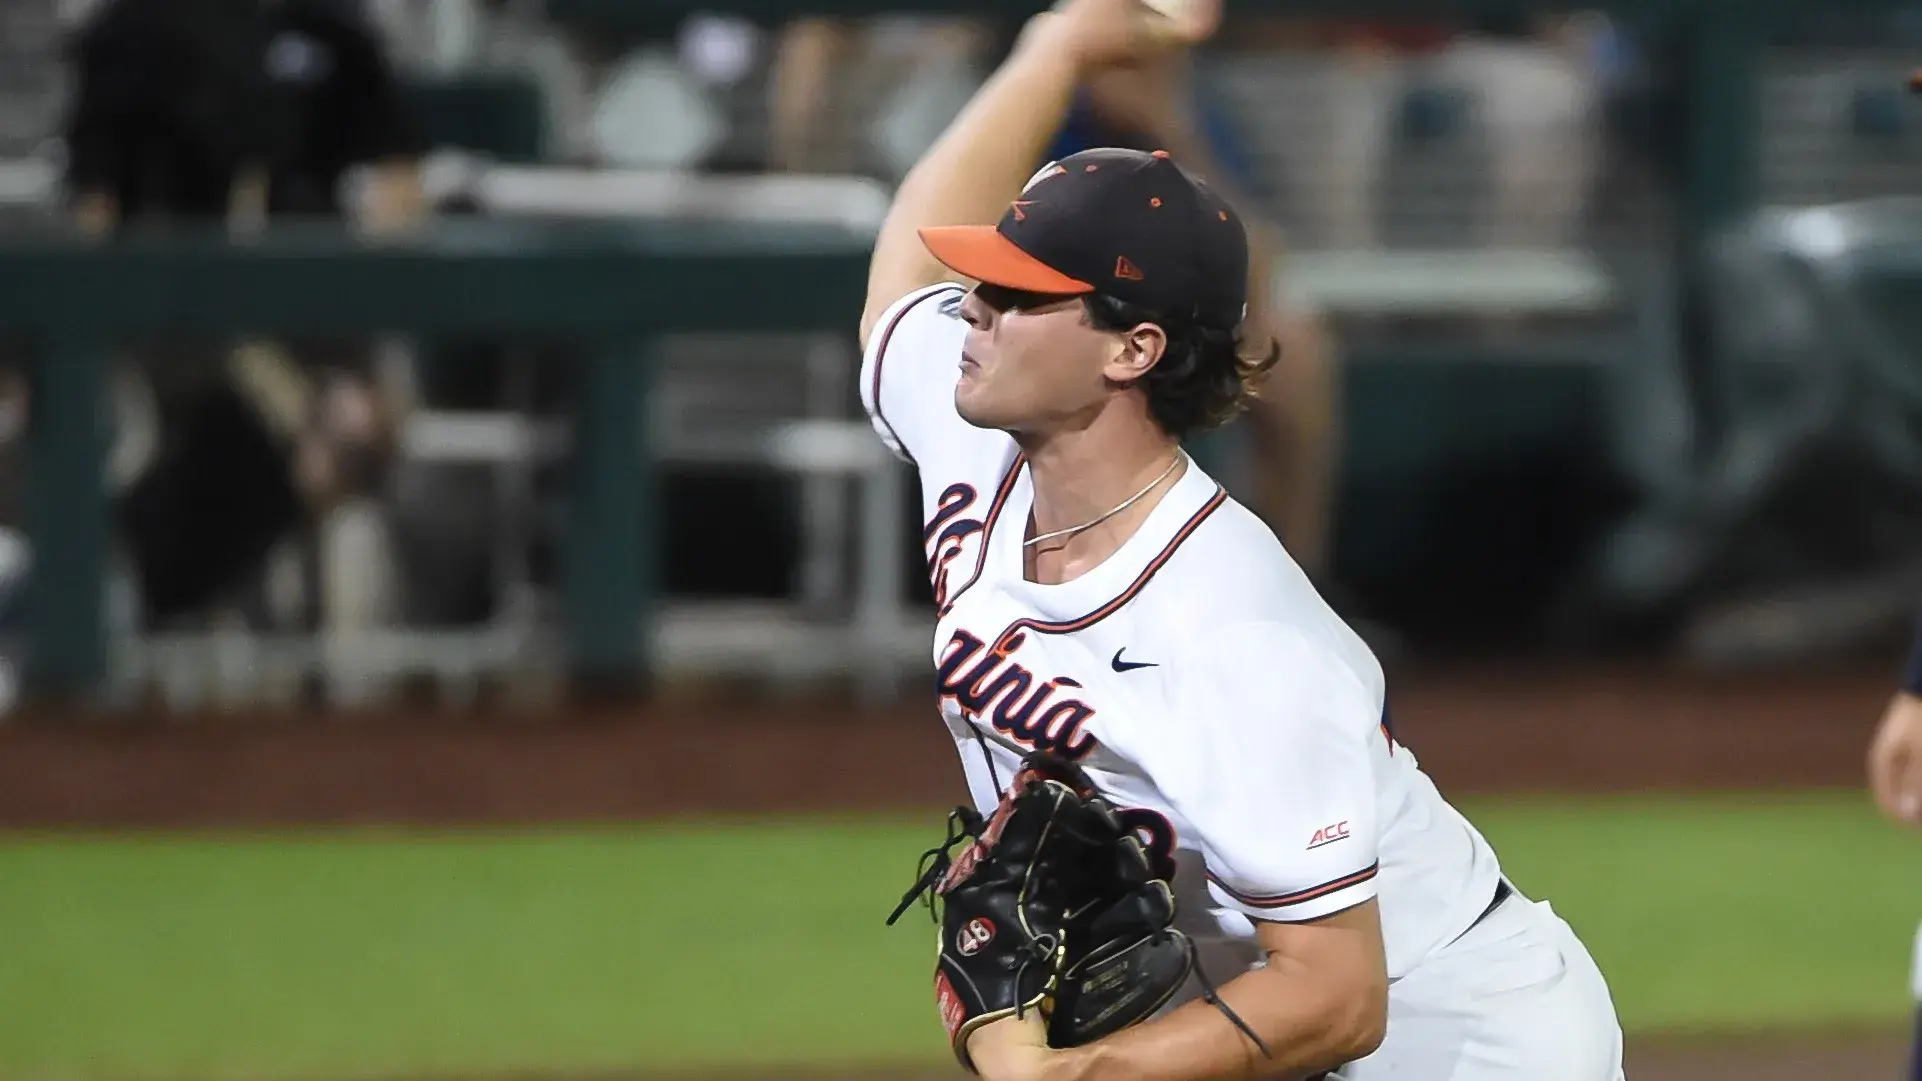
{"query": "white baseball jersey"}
(1195, 674)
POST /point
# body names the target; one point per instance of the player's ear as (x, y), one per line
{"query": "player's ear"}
(1137, 350)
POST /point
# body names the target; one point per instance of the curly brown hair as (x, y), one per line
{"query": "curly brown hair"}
(1204, 378)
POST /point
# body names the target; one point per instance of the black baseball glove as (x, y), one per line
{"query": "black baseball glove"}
(1053, 906)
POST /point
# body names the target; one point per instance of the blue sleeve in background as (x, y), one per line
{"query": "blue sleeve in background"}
(1225, 142)
(1082, 131)
(1912, 681)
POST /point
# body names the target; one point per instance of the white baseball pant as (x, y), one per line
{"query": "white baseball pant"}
(1516, 998)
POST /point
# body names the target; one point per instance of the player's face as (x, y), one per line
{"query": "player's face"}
(1031, 361)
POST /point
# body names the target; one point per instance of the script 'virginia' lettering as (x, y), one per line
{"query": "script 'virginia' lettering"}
(985, 680)
(946, 536)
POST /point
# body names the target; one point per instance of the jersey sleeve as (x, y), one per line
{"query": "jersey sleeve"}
(909, 370)
(1270, 758)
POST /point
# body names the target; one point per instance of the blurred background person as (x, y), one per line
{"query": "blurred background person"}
(224, 113)
(1532, 81)
(210, 110)
(860, 96)
(1345, 79)
(1293, 424)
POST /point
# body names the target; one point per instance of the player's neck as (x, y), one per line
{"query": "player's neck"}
(1080, 475)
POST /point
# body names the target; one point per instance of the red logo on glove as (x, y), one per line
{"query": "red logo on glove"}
(953, 1013)
(973, 935)
(971, 856)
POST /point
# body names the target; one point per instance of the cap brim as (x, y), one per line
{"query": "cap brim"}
(982, 253)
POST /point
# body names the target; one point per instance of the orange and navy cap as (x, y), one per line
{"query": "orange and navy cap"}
(1131, 225)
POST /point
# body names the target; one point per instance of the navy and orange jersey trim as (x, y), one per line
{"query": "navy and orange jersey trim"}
(987, 531)
(1069, 626)
(881, 356)
(1298, 897)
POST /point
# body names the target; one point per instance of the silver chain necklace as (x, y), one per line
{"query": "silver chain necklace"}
(1119, 507)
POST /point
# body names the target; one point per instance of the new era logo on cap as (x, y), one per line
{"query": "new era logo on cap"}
(1134, 226)
(1053, 168)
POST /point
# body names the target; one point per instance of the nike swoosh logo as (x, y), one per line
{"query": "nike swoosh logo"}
(1129, 666)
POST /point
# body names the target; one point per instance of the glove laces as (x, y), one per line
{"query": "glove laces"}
(963, 825)
(1040, 951)
(1213, 998)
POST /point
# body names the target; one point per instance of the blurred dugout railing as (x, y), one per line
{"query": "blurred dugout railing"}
(1442, 251)
(767, 402)
(629, 294)
(1837, 125)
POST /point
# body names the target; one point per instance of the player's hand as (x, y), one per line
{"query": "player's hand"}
(1012, 1049)
(1895, 761)
(1101, 34)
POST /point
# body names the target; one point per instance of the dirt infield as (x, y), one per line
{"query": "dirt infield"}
(1872, 1058)
(1475, 732)
(1488, 731)
(1866, 1058)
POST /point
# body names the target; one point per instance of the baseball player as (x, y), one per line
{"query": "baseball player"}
(1038, 344)
(1895, 777)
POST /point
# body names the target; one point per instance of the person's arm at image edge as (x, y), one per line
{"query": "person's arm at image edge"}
(1895, 754)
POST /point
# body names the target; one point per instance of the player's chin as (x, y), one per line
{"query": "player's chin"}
(974, 403)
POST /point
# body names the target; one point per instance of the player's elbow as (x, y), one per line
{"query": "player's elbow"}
(1361, 1022)
(1335, 973)
(1352, 1017)
(1334, 1021)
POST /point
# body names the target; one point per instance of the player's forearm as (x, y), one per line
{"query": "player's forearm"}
(1309, 1023)
(977, 165)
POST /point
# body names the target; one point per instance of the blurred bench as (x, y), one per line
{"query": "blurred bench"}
(1454, 283)
(780, 402)
(620, 286)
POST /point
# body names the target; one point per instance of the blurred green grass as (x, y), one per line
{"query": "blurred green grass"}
(308, 955)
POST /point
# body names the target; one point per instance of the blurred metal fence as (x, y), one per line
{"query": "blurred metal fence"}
(32, 77)
(1837, 125)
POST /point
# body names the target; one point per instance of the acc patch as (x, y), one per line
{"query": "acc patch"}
(1328, 835)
